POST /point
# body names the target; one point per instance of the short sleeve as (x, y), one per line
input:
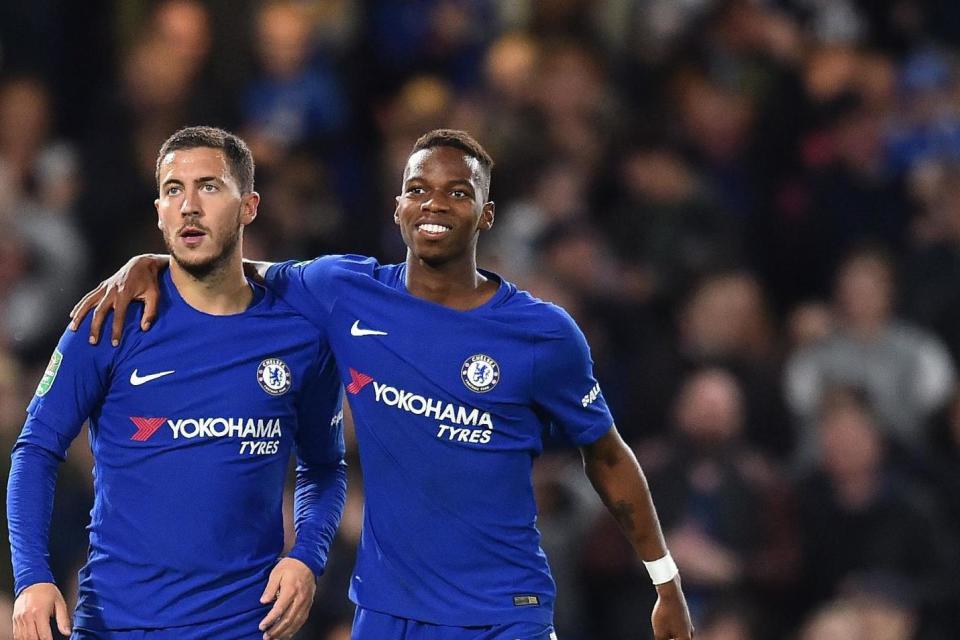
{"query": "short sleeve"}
(74, 383)
(564, 387)
(305, 286)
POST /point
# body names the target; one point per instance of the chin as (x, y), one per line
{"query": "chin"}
(433, 259)
(427, 250)
(198, 267)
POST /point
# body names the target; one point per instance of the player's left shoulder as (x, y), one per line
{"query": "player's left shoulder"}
(544, 318)
(322, 270)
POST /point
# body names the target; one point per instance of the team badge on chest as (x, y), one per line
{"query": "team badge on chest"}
(480, 373)
(273, 375)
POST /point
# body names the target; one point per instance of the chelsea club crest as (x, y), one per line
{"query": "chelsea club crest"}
(273, 375)
(480, 373)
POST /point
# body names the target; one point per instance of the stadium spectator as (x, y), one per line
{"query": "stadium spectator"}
(861, 523)
(932, 266)
(666, 226)
(719, 510)
(44, 253)
(726, 320)
(861, 616)
(296, 102)
(905, 371)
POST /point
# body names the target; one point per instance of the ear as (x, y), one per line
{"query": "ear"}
(487, 216)
(396, 211)
(248, 207)
(156, 205)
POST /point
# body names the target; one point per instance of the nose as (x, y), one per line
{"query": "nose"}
(436, 203)
(190, 206)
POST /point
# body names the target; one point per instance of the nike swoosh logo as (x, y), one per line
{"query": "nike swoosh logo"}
(137, 380)
(355, 330)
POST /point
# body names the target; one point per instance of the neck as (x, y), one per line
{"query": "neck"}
(455, 284)
(867, 328)
(222, 292)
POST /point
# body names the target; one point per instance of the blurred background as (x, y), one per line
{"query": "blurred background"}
(751, 208)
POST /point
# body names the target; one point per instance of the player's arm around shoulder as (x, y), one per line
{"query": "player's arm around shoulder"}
(310, 286)
(616, 475)
(136, 280)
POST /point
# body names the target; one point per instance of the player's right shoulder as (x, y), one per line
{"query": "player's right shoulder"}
(75, 352)
(79, 341)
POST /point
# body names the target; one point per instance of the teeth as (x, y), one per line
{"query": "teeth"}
(432, 228)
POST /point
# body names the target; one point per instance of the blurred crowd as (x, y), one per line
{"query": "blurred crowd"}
(752, 208)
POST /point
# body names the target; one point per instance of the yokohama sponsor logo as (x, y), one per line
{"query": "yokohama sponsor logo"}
(208, 427)
(146, 427)
(431, 408)
(358, 381)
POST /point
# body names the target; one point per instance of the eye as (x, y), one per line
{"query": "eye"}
(416, 191)
(209, 187)
(459, 194)
(173, 191)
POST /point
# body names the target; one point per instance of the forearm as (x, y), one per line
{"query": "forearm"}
(318, 502)
(253, 269)
(618, 479)
(30, 491)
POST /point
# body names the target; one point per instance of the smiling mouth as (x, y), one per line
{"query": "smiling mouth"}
(433, 230)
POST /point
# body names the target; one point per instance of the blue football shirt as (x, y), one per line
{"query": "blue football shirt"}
(191, 427)
(450, 408)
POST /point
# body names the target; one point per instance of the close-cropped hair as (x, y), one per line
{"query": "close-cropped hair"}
(459, 140)
(237, 153)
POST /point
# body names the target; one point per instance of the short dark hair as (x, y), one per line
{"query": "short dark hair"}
(239, 158)
(458, 140)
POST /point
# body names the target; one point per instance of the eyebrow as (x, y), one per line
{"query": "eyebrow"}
(453, 183)
(197, 181)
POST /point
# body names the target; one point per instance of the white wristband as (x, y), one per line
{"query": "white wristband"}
(662, 570)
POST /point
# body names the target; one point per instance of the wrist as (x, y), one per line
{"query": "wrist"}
(663, 570)
(310, 563)
(669, 590)
(32, 579)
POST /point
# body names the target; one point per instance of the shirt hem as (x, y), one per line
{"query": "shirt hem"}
(592, 434)
(536, 615)
(91, 623)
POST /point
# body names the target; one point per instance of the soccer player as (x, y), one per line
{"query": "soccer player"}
(452, 374)
(191, 429)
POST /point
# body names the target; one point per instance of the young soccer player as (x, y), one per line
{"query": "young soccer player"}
(191, 428)
(452, 374)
